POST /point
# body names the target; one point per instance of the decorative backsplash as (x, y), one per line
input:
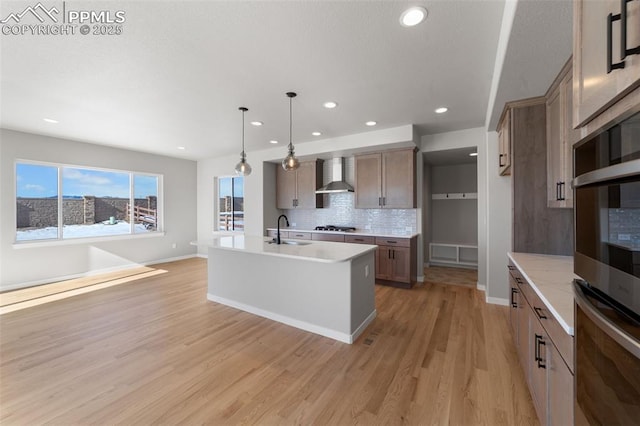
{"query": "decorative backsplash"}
(339, 210)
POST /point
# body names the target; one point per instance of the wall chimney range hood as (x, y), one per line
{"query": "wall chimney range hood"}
(337, 184)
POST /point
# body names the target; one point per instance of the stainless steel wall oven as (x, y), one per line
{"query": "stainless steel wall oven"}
(607, 258)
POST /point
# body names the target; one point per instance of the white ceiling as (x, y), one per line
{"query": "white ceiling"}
(180, 70)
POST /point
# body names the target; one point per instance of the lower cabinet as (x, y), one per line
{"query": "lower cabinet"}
(547, 373)
(396, 261)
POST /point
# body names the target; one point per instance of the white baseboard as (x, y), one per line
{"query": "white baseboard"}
(497, 301)
(303, 325)
(481, 287)
(203, 256)
(420, 278)
(169, 259)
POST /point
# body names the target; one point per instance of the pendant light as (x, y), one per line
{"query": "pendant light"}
(290, 162)
(243, 168)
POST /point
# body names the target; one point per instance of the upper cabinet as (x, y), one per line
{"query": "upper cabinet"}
(560, 139)
(297, 189)
(606, 49)
(504, 143)
(386, 180)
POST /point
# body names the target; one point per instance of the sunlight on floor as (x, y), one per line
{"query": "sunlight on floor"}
(25, 298)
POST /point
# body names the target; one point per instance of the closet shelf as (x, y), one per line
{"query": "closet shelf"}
(455, 196)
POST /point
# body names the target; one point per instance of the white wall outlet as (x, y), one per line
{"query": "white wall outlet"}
(293, 224)
(366, 270)
(174, 245)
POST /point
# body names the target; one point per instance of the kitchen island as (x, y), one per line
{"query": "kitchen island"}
(322, 287)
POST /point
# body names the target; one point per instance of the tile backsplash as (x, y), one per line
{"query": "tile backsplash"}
(339, 210)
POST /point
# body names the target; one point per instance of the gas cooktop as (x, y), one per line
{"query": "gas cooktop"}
(335, 228)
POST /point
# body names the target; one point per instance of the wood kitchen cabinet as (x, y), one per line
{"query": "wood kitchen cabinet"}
(560, 139)
(396, 260)
(544, 349)
(504, 143)
(297, 189)
(602, 73)
(386, 180)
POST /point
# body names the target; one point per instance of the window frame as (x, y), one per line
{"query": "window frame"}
(217, 206)
(60, 240)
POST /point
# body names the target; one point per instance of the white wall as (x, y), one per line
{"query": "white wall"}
(28, 265)
(499, 224)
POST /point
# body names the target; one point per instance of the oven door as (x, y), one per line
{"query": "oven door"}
(607, 365)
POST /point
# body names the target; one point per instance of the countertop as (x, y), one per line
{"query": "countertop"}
(551, 278)
(359, 233)
(319, 251)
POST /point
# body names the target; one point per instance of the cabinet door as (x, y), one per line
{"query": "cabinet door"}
(368, 181)
(513, 309)
(560, 389)
(285, 188)
(523, 335)
(401, 261)
(539, 343)
(570, 136)
(594, 88)
(398, 179)
(384, 265)
(555, 149)
(307, 183)
(504, 142)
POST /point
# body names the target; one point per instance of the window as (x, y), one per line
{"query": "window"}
(231, 204)
(65, 202)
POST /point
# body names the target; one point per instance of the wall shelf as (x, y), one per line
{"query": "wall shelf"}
(455, 196)
(453, 254)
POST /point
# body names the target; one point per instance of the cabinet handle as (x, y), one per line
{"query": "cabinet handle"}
(611, 18)
(518, 280)
(561, 191)
(384, 201)
(511, 268)
(393, 254)
(623, 32)
(514, 291)
(358, 239)
(557, 191)
(539, 342)
(380, 201)
(389, 254)
(500, 160)
(538, 312)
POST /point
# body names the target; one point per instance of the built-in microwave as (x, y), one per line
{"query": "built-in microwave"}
(607, 258)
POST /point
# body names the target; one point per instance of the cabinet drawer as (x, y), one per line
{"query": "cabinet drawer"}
(561, 340)
(397, 242)
(299, 235)
(359, 239)
(328, 237)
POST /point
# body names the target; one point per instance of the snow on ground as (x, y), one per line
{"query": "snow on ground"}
(80, 231)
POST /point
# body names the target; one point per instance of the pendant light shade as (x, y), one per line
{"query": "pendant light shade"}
(290, 162)
(243, 168)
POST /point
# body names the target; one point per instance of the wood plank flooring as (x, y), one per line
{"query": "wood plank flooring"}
(156, 351)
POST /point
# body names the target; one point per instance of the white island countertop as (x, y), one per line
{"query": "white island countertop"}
(551, 277)
(319, 251)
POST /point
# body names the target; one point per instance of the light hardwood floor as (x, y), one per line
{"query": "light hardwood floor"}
(156, 351)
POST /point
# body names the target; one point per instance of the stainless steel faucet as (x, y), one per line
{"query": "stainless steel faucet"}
(278, 234)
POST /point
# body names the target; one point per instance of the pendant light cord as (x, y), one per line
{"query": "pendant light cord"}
(290, 125)
(243, 133)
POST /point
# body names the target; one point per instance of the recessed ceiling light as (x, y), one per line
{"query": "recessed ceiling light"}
(257, 123)
(181, 148)
(330, 104)
(316, 133)
(473, 154)
(413, 16)
(371, 123)
(51, 120)
(441, 110)
(273, 141)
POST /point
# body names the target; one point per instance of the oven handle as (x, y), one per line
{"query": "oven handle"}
(604, 324)
(617, 171)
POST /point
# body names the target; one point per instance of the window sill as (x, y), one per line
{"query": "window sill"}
(87, 240)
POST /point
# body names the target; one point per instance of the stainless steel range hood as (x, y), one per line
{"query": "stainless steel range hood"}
(337, 184)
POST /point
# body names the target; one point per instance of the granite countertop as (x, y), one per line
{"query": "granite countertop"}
(551, 277)
(356, 232)
(319, 251)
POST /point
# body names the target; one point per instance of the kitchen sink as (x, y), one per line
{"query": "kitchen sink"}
(291, 242)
